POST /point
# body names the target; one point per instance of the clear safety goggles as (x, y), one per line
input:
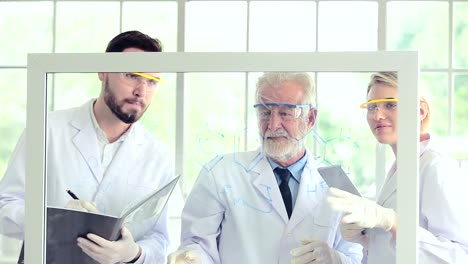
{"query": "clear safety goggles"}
(287, 112)
(137, 78)
(385, 106)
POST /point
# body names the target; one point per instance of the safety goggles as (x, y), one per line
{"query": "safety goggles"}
(137, 78)
(287, 112)
(385, 105)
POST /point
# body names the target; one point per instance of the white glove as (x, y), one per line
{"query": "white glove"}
(354, 233)
(315, 251)
(184, 256)
(362, 212)
(81, 205)
(109, 252)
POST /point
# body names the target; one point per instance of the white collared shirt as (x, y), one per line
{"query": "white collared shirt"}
(107, 150)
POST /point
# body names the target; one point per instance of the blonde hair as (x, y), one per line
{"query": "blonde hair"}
(386, 78)
(391, 79)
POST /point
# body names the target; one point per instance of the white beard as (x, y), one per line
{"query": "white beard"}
(284, 150)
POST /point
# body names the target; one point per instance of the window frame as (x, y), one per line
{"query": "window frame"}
(405, 63)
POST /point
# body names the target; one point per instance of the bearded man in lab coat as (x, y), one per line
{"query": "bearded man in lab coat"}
(247, 208)
(101, 153)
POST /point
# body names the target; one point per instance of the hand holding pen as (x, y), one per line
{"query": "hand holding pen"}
(72, 195)
(80, 205)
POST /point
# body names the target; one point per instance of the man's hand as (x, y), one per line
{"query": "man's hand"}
(184, 256)
(361, 212)
(110, 252)
(316, 252)
(81, 205)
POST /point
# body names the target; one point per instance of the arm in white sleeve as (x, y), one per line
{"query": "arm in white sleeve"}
(154, 245)
(12, 193)
(201, 219)
(443, 235)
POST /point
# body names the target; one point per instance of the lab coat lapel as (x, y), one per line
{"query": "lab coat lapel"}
(389, 186)
(311, 188)
(86, 140)
(266, 184)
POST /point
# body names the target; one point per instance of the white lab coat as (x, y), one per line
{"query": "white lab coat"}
(443, 218)
(235, 214)
(139, 166)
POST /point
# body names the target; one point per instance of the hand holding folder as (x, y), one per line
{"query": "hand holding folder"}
(104, 251)
(64, 225)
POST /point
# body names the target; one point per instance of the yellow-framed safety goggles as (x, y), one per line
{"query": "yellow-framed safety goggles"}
(373, 102)
(149, 77)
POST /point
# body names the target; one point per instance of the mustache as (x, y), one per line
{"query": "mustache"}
(135, 100)
(281, 133)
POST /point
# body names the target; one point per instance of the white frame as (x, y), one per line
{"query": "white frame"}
(404, 62)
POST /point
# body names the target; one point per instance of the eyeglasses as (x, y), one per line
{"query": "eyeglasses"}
(287, 112)
(136, 78)
(385, 106)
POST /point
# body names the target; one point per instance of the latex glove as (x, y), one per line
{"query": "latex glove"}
(362, 212)
(354, 233)
(316, 252)
(81, 205)
(109, 252)
(184, 256)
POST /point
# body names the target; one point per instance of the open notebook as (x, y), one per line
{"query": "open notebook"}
(65, 225)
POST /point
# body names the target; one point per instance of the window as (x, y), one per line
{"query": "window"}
(218, 115)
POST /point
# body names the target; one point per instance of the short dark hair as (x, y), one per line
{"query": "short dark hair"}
(134, 39)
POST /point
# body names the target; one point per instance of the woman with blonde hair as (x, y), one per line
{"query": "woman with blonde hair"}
(443, 219)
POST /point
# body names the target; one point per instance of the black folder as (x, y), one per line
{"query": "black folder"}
(65, 225)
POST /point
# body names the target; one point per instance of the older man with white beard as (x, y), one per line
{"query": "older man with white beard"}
(266, 206)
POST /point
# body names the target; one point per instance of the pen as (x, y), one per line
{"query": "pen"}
(72, 195)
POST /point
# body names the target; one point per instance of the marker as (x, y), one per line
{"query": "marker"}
(72, 195)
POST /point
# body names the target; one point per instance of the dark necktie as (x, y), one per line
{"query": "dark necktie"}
(284, 175)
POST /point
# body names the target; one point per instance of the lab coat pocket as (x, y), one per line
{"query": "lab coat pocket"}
(139, 187)
(325, 226)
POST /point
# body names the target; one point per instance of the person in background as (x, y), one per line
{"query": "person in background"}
(254, 207)
(443, 220)
(101, 153)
